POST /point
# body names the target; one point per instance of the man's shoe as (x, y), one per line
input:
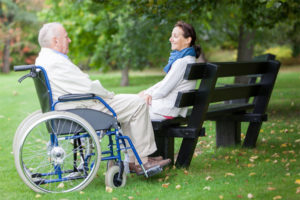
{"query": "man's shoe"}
(150, 164)
(157, 158)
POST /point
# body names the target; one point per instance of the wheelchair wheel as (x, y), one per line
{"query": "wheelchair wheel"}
(58, 152)
(110, 163)
(23, 124)
(111, 177)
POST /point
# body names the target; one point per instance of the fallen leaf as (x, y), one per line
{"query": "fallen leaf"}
(209, 178)
(15, 93)
(297, 181)
(250, 196)
(165, 185)
(252, 174)
(221, 197)
(61, 185)
(37, 196)
(229, 174)
(271, 188)
(239, 196)
(283, 145)
(206, 188)
(298, 190)
(166, 178)
(296, 141)
(114, 198)
(160, 179)
(81, 192)
(250, 165)
(277, 197)
(275, 155)
(108, 189)
(186, 172)
(130, 197)
(178, 187)
(292, 152)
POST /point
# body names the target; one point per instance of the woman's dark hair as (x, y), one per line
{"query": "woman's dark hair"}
(189, 31)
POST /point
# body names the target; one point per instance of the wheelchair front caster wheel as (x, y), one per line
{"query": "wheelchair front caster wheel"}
(111, 177)
(110, 163)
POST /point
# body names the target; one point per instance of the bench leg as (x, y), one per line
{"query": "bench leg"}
(228, 133)
(252, 134)
(186, 152)
(165, 147)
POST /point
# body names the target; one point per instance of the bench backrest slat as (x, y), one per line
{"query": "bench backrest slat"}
(235, 92)
(240, 68)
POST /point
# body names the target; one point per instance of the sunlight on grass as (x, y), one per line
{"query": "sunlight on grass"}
(269, 171)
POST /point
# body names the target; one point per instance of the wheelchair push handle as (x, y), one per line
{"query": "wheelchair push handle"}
(31, 74)
(23, 67)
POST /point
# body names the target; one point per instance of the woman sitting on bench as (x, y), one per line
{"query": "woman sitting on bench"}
(162, 96)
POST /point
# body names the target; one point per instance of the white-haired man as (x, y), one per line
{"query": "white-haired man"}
(66, 78)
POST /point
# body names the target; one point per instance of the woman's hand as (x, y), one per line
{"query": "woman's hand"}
(146, 97)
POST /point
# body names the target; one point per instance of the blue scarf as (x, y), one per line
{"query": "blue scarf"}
(174, 55)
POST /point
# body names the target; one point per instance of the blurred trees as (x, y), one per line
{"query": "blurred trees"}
(16, 19)
(134, 34)
(108, 34)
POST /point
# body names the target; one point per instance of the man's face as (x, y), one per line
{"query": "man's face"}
(62, 41)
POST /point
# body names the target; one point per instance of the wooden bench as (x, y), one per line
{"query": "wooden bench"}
(207, 103)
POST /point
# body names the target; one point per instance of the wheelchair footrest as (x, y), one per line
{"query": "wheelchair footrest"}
(151, 172)
(154, 170)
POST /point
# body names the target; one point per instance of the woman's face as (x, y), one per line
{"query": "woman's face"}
(178, 42)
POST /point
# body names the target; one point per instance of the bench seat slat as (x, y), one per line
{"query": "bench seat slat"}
(245, 117)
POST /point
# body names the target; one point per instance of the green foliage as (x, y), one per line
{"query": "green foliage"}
(281, 52)
(18, 20)
(106, 33)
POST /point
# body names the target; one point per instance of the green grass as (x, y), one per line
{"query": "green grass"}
(266, 172)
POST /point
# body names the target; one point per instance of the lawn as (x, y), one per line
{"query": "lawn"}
(270, 171)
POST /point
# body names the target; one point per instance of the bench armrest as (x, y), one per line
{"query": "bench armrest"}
(75, 97)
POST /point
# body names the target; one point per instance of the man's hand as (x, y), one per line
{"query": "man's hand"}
(146, 97)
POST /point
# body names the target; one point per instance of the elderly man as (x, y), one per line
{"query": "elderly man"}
(66, 78)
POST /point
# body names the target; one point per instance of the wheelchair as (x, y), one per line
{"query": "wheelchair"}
(60, 151)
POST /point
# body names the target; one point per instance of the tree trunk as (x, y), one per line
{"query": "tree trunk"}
(125, 76)
(6, 55)
(245, 49)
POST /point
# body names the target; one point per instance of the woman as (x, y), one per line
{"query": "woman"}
(162, 96)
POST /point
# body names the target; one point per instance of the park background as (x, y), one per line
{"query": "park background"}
(126, 43)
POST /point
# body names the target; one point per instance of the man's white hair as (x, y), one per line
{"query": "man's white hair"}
(47, 33)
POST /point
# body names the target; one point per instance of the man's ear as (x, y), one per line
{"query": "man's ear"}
(54, 42)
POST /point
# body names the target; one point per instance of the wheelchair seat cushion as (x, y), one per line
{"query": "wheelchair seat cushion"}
(97, 119)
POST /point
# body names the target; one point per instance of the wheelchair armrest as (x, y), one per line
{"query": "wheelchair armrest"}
(75, 97)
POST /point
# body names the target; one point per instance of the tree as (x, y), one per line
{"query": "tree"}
(106, 34)
(16, 17)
